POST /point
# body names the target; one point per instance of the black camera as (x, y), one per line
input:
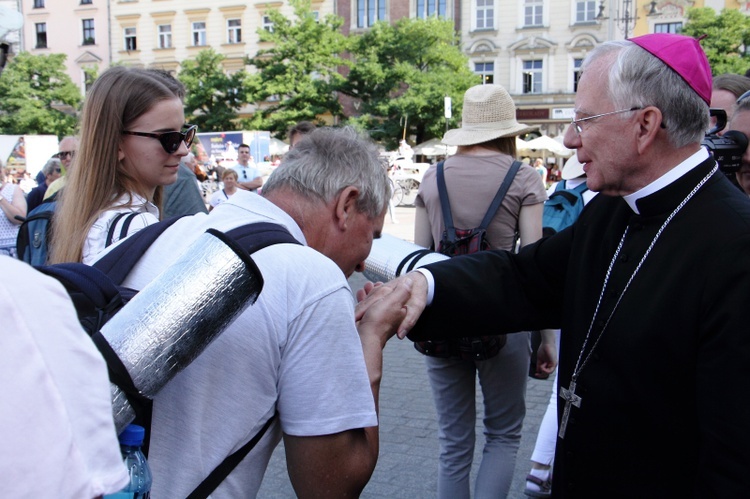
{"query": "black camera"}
(726, 149)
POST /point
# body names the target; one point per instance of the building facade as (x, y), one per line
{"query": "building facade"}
(163, 33)
(534, 48)
(77, 28)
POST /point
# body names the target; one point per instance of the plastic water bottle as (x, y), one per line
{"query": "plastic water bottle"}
(139, 487)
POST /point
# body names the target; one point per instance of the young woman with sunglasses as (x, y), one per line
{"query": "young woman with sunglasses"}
(133, 136)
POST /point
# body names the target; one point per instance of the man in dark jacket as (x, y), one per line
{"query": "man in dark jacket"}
(654, 278)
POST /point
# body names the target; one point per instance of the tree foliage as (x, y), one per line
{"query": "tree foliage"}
(213, 97)
(298, 74)
(727, 40)
(401, 74)
(33, 89)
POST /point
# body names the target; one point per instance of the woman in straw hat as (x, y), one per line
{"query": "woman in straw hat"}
(486, 149)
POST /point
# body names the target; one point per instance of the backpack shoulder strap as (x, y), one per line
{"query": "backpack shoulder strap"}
(111, 231)
(500, 194)
(214, 479)
(118, 263)
(256, 236)
(445, 203)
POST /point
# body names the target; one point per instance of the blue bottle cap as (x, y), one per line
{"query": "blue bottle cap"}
(132, 435)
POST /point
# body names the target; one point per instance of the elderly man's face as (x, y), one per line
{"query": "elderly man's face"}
(606, 144)
(66, 151)
(741, 122)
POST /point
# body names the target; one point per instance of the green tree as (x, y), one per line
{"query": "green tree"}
(34, 90)
(401, 74)
(728, 39)
(298, 75)
(213, 97)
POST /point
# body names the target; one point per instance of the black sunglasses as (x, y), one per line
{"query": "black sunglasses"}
(170, 141)
(64, 154)
(743, 96)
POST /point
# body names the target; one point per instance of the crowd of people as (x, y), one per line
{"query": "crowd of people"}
(651, 278)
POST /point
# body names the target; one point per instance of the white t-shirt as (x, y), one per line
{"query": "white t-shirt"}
(59, 436)
(220, 196)
(96, 240)
(295, 351)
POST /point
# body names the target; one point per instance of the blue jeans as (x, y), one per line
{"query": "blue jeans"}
(503, 383)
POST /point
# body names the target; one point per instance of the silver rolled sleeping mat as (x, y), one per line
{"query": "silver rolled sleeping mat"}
(178, 314)
(391, 257)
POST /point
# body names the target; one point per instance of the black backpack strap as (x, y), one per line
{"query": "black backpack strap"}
(500, 194)
(118, 263)
(111, 231)
(123, 231)
(445, 203)
(222, 471)
(256, 236)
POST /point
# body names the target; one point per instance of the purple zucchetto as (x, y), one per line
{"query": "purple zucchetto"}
(684, 55)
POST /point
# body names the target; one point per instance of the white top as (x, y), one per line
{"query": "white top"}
(220, 196)
(246, 173)
(296, 351)
(97, 237)
(59, 436)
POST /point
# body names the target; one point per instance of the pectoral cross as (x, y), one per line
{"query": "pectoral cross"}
(570, 397)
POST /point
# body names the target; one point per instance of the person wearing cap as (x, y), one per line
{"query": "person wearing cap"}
(741, 122)
(654, 277)
(486, 149)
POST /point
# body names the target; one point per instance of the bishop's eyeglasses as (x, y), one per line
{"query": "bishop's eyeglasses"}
(577, 123)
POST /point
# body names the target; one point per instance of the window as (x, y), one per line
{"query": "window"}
(532, 77)
(234, 30)
(673, 28)
(370, 11)
(165, 36)
(89, 36)
(130, 41)
(486, 70)
(267, 24)
(485, 14)
(586, 11)
(199, 33)
(41, 35)
(577, 63)
(532, 12)
(427, 8)
(38, 4)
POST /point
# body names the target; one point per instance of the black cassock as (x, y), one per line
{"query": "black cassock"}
(665, 408)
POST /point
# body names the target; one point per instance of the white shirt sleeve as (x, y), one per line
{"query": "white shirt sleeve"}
(60, 437)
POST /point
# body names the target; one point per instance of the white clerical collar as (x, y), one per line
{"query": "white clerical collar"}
(666, 179)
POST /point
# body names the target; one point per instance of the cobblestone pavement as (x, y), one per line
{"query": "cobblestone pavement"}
(408, 461)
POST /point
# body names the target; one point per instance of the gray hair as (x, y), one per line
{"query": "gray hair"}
(50, 166)
(637, 78)
(328, 161)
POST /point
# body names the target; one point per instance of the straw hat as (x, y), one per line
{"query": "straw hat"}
(488, 114)
(572, 168)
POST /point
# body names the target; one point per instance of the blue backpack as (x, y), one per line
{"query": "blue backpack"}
(562, 208)
(35, 232)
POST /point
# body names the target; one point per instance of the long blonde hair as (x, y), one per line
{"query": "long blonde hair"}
(118, 97)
